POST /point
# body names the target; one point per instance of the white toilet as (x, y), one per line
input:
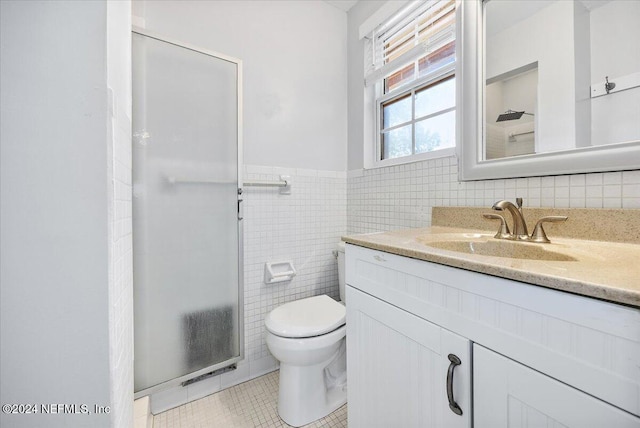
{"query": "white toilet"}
(307, 336)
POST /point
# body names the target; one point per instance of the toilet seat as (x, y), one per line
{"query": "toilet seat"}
(309, 317)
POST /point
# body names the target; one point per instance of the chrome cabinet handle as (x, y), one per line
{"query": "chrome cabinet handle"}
(379, 258)
(455, 361)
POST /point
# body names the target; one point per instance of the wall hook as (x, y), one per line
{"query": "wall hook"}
(608, 86)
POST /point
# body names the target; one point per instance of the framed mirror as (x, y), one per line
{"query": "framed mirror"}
(548, 87)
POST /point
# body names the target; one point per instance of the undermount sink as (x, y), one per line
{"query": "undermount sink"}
(508, 249)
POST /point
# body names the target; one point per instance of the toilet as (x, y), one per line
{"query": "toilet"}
(307, 336)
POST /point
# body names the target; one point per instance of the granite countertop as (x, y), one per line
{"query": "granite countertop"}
(603, 270)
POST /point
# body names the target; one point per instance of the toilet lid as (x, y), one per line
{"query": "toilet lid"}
(306, 317)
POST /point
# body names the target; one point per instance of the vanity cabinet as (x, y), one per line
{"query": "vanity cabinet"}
(530, 356)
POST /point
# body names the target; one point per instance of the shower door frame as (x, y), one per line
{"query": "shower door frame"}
(238, 62)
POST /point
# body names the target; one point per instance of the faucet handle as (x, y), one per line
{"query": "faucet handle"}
(538, 234)
(503, 232)
(519, 203)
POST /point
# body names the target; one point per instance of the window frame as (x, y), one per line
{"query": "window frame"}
(374, 96)
(410, 88)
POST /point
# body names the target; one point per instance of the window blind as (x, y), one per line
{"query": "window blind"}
(420, 29)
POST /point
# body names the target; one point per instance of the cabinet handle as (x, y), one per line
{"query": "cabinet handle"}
(379, 258)
(455, 361)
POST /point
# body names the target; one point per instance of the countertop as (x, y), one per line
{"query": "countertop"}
(602, 270)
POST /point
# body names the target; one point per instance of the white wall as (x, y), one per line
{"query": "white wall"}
(615, 53)
(294, 54)
(360, 126)
(56, 161)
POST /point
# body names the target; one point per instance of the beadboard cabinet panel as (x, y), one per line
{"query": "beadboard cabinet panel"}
(398, 364)
(510, 395)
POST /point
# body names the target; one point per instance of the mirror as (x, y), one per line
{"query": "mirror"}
(548, 87)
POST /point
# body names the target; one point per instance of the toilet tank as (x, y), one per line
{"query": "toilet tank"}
(341, 280)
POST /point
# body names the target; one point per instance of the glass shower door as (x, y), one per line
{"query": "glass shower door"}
(186, 233)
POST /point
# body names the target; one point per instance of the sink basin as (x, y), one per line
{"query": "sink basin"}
(508, 249)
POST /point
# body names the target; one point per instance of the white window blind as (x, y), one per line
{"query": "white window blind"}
(422, 33)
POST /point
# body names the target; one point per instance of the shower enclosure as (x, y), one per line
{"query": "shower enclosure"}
(187, 233)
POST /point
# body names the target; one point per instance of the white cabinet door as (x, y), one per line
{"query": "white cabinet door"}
(398, 368)
(508, 394)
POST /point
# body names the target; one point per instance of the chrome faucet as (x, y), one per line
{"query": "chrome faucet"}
(520, 231)
(519, 225)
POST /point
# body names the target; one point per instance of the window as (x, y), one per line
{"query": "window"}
(413, 76)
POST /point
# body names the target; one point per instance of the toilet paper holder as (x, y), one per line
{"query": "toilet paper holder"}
(278, 271)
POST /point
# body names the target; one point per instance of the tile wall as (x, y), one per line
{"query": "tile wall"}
(305, 227)
(402, 196)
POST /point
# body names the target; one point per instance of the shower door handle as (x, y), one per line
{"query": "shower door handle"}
(240, 209)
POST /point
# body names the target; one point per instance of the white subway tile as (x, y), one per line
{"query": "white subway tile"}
(612, 202)
(612, 178)
(577, 180)
(593, 202)
(594, 179)
(612, 191)
(631, 177)
(631, 191)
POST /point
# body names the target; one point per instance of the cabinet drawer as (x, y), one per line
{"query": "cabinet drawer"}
(591, 344)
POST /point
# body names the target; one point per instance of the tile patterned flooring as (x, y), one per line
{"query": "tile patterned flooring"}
(250, 404)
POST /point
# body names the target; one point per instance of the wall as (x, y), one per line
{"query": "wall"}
(615, 53)
(295, 123)
(60, 271)
(403, 196)
(358, 123)
(294, 54)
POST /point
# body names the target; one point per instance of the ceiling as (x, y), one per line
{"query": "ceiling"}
(344, 5)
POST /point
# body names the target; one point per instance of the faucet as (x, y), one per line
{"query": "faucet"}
(519, 225)
(520, 231)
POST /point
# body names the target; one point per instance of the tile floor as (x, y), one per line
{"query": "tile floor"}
(250, 404)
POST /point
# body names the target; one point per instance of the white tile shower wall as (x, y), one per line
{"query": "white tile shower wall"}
(402, 196)
(305, 227)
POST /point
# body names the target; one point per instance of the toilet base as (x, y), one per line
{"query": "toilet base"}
(304, 410)
(308, 393)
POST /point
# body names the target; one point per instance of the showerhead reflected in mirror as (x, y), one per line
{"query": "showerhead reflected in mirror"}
(511, 115)
(508, 131)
